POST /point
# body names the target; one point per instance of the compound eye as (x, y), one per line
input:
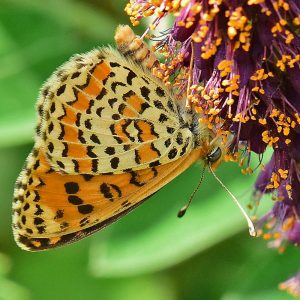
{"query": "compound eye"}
(214, 155)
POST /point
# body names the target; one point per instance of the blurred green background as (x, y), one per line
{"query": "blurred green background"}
(150, 254)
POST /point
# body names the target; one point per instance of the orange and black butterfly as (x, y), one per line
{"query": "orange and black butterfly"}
(109, 135)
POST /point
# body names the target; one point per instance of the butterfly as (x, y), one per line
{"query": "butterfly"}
(109, 135)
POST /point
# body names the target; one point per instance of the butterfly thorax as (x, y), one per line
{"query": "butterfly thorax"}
(204, 139)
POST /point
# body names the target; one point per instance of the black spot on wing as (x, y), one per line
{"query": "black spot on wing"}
(105, 191)
(99, 111)
(172, 153)
(145, 92)
(91, 104)
(128, 94)
(102, 93)
(87, 177)
(115, 84)
(131, 75)
(71, 187)
(163, 118)
(158, 104)
(75, 75)
(112, 101)
(114, 162)
(59, 214)
(117, 189)
(75, 200)
(95, 165)
(160, 92)
(94, 138)
(90, 152)
(61, 90)
(114, 64)
(85, 208)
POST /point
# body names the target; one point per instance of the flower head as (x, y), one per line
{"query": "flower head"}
(239, 64)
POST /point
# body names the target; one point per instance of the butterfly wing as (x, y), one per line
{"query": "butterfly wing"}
(101, 113)
(51, 209)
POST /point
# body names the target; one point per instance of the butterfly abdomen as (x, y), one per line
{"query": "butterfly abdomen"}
(134, 47)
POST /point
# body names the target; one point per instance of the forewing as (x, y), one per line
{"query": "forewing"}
(104, 113)
(51, 209)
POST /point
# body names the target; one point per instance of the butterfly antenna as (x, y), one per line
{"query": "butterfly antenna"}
(252, 230)
(183, 210)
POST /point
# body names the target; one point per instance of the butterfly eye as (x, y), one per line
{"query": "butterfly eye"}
(214, 155)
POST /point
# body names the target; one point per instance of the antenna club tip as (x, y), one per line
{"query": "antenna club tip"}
(252, 231)
(182, 212)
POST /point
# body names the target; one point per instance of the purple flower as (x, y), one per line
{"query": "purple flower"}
(239, 63)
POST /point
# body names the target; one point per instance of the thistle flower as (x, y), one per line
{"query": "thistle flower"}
(239, 62)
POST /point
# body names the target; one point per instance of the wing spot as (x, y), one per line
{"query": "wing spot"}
(110, 150)
(64, 225)
(71, 187)
(52, 108)
(117, 189)
(114, 162)
(170, 130)
(88, 124)
(61, 90)
(39, 210)
(38, 221)
(162, 118)
(101, 94)
(112, 101)
(179, 139)
(50, 147)
(59, 214)
(41, 229)
(60, 164)
(95, 139)
(99, 111)
(116, 117)
(172, 153)
(75, 75)
(23, 220)
(115, 84)
(131, 75)
(26, 206)
(160, 92)
(114, 64)
(75, 200)
(90, 152)
(145, 92)
(95, 165)
(50, 127)
(105, 190)
(85, 208)
(87, 177)
(154, 164)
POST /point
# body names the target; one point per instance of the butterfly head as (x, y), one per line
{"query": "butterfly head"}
(215, 155)
(213, 149)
